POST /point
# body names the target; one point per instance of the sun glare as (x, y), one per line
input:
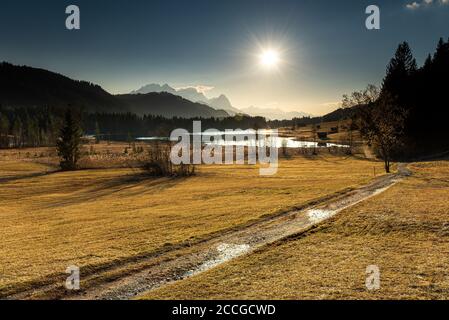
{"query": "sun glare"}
(269, 59)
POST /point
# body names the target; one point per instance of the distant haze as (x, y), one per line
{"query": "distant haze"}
(275, 114)
(221, 102)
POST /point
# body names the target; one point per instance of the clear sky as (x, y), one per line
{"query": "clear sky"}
(324, 48)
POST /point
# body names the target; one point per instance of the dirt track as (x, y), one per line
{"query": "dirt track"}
(146, 274)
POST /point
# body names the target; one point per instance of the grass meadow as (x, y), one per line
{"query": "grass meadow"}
(96, 217)
(404, 231)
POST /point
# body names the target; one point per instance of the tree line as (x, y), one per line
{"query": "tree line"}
(406, 116)
(40, 126)
(29, 127)
(423, 92)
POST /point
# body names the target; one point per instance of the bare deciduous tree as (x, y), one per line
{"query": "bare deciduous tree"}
(158, 163)
(382, 120)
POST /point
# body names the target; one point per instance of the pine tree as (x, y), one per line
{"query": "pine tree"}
(129, 139)
(69, 142)
(441, 57)
(440, 49)
(31, 131)
(4, 130)
(97, 132)
(428, 63)
(17, 129)
(400, 68)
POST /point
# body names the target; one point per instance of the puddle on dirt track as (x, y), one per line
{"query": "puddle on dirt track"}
(318, 215)
(226, 252)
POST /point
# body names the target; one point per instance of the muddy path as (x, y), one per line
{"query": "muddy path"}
(127, 282)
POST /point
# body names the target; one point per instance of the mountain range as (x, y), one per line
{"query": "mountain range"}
(221, 102)
(22, 86)
(192, 94)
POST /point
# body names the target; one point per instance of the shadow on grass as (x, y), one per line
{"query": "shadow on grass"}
(140, 181)
(26, 176)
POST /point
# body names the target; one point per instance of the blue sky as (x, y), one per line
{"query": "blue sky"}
(325, 49)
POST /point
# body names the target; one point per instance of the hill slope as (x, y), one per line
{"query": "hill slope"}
(22, 86)
(168, 105)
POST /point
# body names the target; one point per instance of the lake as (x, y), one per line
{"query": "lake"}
(280, 142)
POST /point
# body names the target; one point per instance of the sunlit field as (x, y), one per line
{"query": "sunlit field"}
(403, 231)
(170, 151)
(100, 217)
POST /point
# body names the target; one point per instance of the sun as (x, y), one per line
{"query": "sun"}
(269, 58)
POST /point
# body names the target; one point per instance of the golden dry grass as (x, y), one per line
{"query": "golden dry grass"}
(404, 231)
(20, 169)
(106, 154)
(93, 217)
